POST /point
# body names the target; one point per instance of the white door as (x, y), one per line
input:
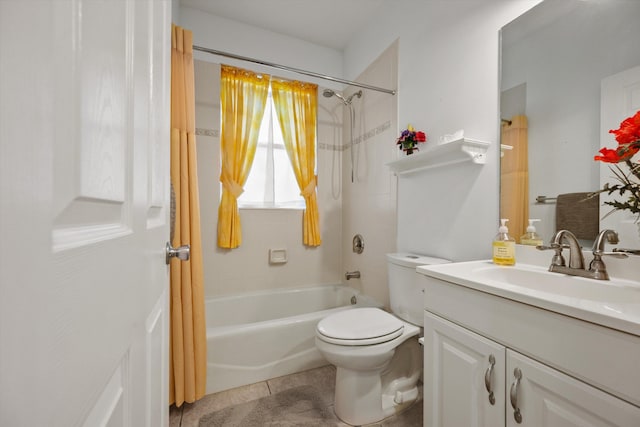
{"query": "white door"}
(548, 398)
(84, 103)
(461, 369)
(620, 98)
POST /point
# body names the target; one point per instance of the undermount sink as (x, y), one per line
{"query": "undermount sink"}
(613, 303)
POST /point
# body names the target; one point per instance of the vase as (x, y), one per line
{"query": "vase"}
(408, 150)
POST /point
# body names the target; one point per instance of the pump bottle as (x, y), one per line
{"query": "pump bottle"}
(504, 246)
(531, 237)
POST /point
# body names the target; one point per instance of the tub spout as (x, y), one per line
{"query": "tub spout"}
(352, 275)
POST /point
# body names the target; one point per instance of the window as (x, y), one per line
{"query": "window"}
(271, 182)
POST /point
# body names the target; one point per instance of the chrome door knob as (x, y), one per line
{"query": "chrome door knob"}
(182, 252)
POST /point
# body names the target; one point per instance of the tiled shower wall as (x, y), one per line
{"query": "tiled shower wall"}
(247, 268)
(366, 206)
(369, 202)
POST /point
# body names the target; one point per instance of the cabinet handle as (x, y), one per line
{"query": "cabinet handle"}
(513, 394)
(487, 379)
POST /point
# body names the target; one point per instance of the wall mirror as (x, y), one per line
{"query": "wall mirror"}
(554, 59)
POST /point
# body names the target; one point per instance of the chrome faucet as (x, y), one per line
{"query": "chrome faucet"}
(611, 237)
(576, 259)
(597, 269)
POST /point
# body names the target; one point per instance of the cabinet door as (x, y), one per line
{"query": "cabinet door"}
(456, 364)
(548, 398)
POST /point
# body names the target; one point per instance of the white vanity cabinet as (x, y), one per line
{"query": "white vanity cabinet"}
(572, 373)
(471, 381)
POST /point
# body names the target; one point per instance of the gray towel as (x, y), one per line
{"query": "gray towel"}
(579, 214)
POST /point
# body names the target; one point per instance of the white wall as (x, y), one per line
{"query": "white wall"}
(225, 35)
(175, 11)
(448, 80)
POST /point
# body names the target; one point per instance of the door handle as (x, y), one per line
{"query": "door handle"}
(182, 252)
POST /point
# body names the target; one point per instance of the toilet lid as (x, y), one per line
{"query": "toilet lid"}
(360, 326)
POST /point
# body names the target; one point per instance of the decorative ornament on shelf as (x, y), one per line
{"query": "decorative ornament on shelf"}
(628, 137)
(409, 139)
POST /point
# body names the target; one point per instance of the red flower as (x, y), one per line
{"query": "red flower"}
(629, 130)
(628, 137)
(608, 156)
(420, 136)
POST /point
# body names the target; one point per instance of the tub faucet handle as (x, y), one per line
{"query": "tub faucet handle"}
(352, 275)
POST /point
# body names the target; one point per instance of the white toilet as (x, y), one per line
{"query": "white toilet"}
(377, 355)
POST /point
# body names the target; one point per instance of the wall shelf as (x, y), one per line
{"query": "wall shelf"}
(461, 150)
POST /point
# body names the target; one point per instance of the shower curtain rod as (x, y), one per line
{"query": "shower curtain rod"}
(295, 70)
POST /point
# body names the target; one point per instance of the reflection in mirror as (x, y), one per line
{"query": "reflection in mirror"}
(514, 174)
(553, 61)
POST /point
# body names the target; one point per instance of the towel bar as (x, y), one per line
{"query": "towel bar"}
(545, 199)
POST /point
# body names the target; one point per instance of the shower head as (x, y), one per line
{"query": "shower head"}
(328, 93)
(358, 94)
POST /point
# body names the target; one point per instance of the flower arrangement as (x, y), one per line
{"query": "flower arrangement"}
(628, 138)
(409, 139)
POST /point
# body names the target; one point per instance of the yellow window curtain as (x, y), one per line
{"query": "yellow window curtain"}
(514, 176)
(243, 97)
(188, 346)
(296, 104)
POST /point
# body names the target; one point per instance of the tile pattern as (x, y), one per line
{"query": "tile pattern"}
(323, 379)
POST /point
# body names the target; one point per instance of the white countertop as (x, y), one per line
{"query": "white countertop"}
(612, 303)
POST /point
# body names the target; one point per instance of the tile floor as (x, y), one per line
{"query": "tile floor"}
(322, 378)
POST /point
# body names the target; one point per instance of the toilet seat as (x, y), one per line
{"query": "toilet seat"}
(359, 327)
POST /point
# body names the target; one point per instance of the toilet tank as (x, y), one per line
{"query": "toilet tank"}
(406, 288)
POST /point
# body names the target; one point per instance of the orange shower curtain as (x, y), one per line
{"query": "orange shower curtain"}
(514, 176)
(187, 340)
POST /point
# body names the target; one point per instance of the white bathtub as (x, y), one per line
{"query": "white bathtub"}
(257, 336)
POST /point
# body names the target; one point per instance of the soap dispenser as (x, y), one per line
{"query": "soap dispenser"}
(531, 238)
(504, 246)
